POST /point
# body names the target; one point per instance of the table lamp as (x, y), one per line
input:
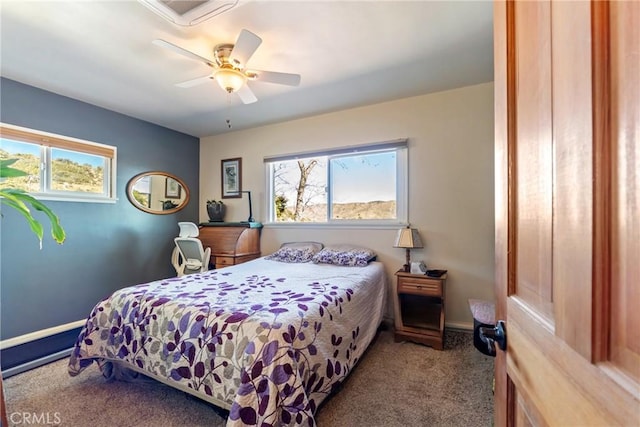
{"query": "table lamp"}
(250, 219)
(408, 238)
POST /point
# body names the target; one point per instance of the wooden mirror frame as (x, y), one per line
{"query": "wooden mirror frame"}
(147, 209)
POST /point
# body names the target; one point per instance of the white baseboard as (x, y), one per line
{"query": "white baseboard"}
(461, 326)
(36, 363)
(43, 333)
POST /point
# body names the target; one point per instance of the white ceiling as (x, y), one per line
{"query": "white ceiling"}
(348, 53)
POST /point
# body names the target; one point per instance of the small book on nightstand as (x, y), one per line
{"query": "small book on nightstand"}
(436, 273)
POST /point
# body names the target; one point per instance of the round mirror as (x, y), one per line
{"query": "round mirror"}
(158, 192)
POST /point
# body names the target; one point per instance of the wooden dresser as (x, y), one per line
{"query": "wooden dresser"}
(231, 242)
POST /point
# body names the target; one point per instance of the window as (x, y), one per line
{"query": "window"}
(58, 167)
(354, 185)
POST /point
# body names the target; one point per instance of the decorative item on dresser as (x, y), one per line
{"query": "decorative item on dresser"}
(231, 242)
(419, 308)
(250, 219)
(216, 210)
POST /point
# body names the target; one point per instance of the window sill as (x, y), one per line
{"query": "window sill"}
(67, 198)
(337, 225)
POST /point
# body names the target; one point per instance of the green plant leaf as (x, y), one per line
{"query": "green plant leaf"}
(7, 172)
(7, 162)
(14, 201)
(57, 232)
(18, 198)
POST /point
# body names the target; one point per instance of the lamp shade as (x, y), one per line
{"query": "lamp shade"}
(229, 79)
(408, 238)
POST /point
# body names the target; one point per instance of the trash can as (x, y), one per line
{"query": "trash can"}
(484, 315)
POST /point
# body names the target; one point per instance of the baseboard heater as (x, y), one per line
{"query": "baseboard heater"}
(28, 351)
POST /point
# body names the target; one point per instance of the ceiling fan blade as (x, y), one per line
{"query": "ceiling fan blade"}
(177, 49)
(245, 46)
(275, 77)
(246, 94)
(195, 82)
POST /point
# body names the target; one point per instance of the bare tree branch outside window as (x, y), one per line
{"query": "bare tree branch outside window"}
(363, 187)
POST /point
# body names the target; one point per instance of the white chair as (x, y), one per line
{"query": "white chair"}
(189, 256)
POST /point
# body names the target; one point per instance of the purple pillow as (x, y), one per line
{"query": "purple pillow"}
(295, 252)
(346, 255)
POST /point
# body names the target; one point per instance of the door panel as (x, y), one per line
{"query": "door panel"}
(625, 301)
(567, 95)
(564, 388)
(526, 415)
(533, 133)
(572, 173)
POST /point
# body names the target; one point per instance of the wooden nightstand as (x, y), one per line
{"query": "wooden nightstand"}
(419, 309)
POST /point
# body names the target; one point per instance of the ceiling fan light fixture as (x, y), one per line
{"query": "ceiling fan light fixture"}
(229, 79)
(232, 79)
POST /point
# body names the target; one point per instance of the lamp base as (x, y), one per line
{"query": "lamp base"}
(407, 265)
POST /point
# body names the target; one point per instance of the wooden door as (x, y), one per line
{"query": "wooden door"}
(567, 97)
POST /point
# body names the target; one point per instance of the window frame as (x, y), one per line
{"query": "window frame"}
(399, 146)
(47, 141)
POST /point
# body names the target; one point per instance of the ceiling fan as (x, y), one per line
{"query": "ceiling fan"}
(229, 66)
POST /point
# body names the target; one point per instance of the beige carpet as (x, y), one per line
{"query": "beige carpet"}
(395, 384)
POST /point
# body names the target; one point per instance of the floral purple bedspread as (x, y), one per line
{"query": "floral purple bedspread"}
(268, 341)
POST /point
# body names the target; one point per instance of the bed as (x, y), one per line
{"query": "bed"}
(266, 340)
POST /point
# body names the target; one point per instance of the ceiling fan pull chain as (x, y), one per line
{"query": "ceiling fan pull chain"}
(228, 109)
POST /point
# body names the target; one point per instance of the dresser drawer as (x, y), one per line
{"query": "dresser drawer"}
(420, 286)
(225, 260)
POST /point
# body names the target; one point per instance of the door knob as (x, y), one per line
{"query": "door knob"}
(495, 335)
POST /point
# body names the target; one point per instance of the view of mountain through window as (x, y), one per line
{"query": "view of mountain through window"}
(364, 187)
(70, 171)
(57, 167)
(334, 188)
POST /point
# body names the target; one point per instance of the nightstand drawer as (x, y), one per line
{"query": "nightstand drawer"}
(420, 286)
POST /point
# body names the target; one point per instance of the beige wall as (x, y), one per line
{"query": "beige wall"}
(450, 136)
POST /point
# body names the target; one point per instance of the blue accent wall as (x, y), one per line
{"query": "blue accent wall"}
(108, 246)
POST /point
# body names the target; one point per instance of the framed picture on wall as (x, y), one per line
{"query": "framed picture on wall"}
(172, 189)
(231, 178)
